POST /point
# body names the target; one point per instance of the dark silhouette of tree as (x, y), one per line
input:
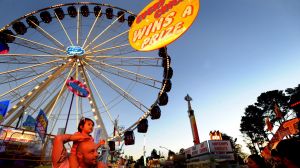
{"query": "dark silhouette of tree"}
(294, 94)
(140, 162)
(266, 101)
(237, 148)
(154, 154)
(252, 125)
(253, 122)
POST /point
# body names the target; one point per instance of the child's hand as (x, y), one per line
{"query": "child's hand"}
(79, 137)
(102, 142)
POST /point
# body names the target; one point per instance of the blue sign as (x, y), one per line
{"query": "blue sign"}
(41, 124)
(30, 123)
(75, 50)
(76, 87)
(3, 109)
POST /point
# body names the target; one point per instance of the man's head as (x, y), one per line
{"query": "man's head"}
(87, 153)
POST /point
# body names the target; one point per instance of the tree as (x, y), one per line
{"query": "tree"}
(269, 104)
(267, 101)
(252, 126)
(140, 162)
(294, 94)
(237, 148)
(154, 154)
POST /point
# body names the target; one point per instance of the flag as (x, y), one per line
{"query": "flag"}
(269, 124)
(3, 109)
(41, 124)
(29, 123)
(277, 111)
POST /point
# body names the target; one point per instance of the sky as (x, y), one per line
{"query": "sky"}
(234, 51)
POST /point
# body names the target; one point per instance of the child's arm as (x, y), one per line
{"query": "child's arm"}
(101, 143)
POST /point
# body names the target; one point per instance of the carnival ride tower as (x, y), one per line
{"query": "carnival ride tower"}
(192, 120)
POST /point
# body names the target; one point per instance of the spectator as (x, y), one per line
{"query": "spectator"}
(256, 161)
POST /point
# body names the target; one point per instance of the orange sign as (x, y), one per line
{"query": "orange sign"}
(288, 127)
(161, 22)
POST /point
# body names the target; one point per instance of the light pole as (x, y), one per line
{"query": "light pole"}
(164, 148)
(170, 153)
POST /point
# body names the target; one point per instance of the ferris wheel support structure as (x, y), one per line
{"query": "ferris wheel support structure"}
(31, 97)
(94, 107)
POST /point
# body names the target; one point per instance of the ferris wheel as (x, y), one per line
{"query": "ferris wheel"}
(74, 60)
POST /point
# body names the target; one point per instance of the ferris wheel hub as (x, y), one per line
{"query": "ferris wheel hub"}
(75, 51)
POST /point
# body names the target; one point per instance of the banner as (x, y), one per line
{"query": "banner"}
(29, 123)
(41, 124)
(269, 124)
(277, 111)
(220, 146)
(288, 127)
(3, 109)
(198, 149)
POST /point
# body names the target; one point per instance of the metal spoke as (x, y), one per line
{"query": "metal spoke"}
(128, 74)
(119, 90)
(45, 98)
(129, 60)
(34, 47)
(78, 26)
(94, 107)
(48, 36)
(100, 97)
(110, 48)
(33, 55)
(36, 65)
(51, 110)
(63, 27)
(59, 112)
(34, 42)
(25, 83)
(110, 40)
(32, 95)
(77, 97)
(92, 28)
(101, 33)
(17, 79)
